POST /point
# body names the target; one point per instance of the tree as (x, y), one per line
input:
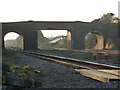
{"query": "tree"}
(107, 18)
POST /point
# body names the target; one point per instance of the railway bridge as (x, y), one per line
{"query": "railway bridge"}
(77, 32)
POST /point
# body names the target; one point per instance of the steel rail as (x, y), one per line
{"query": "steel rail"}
(59, 58)
(78, 61)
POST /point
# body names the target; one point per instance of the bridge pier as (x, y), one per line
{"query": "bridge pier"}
(78, 40)
(30, 41)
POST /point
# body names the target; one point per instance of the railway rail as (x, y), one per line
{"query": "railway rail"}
(101, 72)
(72, 62)
(112, 52)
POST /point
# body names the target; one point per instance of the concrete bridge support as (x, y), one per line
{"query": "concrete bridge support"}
(78, 40)
(30, 41)
(78, 31)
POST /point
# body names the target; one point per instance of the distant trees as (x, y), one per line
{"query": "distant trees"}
(107, 18)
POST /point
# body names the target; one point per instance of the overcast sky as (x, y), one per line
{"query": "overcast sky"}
(54, 10)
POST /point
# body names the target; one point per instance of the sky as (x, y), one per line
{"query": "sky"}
(11, 36)
(46, 33)
(55, 10)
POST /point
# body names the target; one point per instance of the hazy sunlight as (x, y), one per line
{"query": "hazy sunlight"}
(11, 35)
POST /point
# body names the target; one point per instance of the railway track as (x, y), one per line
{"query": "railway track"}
(100, 72)
(70, 61)
(112, 52)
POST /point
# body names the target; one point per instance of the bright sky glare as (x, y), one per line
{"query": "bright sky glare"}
(11, 36)
(55, 10)
(51, 33)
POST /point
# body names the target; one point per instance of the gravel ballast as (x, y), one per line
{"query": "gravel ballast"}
(54, 75)
(87, 56)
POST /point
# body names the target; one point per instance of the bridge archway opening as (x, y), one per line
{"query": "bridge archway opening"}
(13, 40)
(54, 39)
(94, 40)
